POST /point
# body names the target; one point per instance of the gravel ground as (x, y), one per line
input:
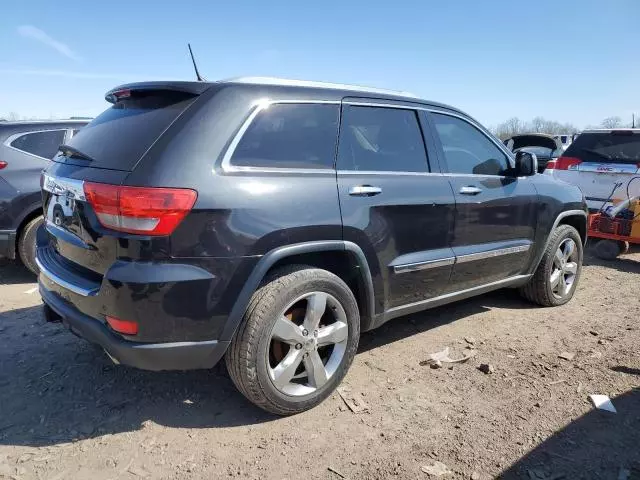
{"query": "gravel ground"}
(67, 412)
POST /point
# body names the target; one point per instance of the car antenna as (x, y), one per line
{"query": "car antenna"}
(195, 67)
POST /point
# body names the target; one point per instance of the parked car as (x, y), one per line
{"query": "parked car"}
(545, 147)
(25, 149)
(603, 163)
(270, 222)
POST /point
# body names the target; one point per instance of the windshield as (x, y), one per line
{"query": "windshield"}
(606, 147)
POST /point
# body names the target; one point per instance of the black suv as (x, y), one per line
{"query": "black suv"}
(25, 150)
(272, 221)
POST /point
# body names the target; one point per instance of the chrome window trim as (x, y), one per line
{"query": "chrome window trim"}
(472, 257)
(416, 266)
(7, 143)
(481, 129)
(423, 108)
(258, 107)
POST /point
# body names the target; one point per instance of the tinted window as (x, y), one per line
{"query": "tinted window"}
(290, 136)
(42, 144)
(120, 135)
(607, 147)
(381, 139)
(467, 149)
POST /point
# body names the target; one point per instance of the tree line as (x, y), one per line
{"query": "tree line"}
(515, 126)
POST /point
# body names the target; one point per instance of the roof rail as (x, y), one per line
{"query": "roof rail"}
(312, 84)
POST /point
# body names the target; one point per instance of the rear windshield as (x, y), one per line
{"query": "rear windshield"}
(606, 147)
(120, 135)
(540, 151)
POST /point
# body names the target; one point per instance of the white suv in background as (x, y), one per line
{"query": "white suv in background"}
(605, 164)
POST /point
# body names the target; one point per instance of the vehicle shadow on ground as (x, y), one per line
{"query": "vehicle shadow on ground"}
(14, 273)
(55, 387)
(403, 327)
(623, 263)
(597, 445)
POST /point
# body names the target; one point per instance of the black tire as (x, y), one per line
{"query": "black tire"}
(247, 356)
(608, 249)
(539, 289)
(27, 244)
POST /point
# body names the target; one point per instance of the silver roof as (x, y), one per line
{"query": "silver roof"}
(312, 84)
(609, 130)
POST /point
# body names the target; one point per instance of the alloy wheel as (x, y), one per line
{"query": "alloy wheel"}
(565, 268)
(307, 344)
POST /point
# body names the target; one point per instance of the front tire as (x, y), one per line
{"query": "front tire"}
(297, 340)
(27, 244)
(556, 278)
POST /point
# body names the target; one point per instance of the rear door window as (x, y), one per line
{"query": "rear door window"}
(466, 149)
(381, 139)
(120, 135)
(606, 147)
(42, 144)
(290, 136)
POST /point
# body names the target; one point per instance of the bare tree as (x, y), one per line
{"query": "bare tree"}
(515, 126)
(611, 122)
(538, 125)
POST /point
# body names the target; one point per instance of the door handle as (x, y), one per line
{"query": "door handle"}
(364, 191)
(470, 190)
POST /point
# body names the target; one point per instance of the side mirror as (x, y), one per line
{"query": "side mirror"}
(526, 164)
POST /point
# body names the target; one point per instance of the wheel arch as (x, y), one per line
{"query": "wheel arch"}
(32, 211)
(574, 218)
(329, 255)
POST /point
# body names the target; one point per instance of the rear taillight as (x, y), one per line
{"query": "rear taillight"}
(126, 327)
(564, 163)
(142, 210)
(3, 164)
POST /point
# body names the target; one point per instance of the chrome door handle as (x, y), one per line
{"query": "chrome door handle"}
(469, 190)
(364, 191)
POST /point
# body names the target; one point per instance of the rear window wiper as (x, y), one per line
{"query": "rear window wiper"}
(596, 152)
(73, 152)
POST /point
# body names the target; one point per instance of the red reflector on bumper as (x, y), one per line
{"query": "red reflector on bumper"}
(126, 327)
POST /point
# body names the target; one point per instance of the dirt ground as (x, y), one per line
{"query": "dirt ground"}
(67, 412)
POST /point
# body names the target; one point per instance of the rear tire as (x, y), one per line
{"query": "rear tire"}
(27, 244)
(558, 273)
(608, 249)
(276, 359)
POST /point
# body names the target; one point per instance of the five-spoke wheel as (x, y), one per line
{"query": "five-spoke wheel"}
(297, 340)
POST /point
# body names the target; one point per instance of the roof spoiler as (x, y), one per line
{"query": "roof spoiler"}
(123, 91)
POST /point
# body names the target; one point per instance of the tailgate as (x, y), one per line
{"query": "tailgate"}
(105, 152)
(74, 234)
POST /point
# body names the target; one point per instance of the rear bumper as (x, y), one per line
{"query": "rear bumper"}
(147, 356)
(8, 243)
